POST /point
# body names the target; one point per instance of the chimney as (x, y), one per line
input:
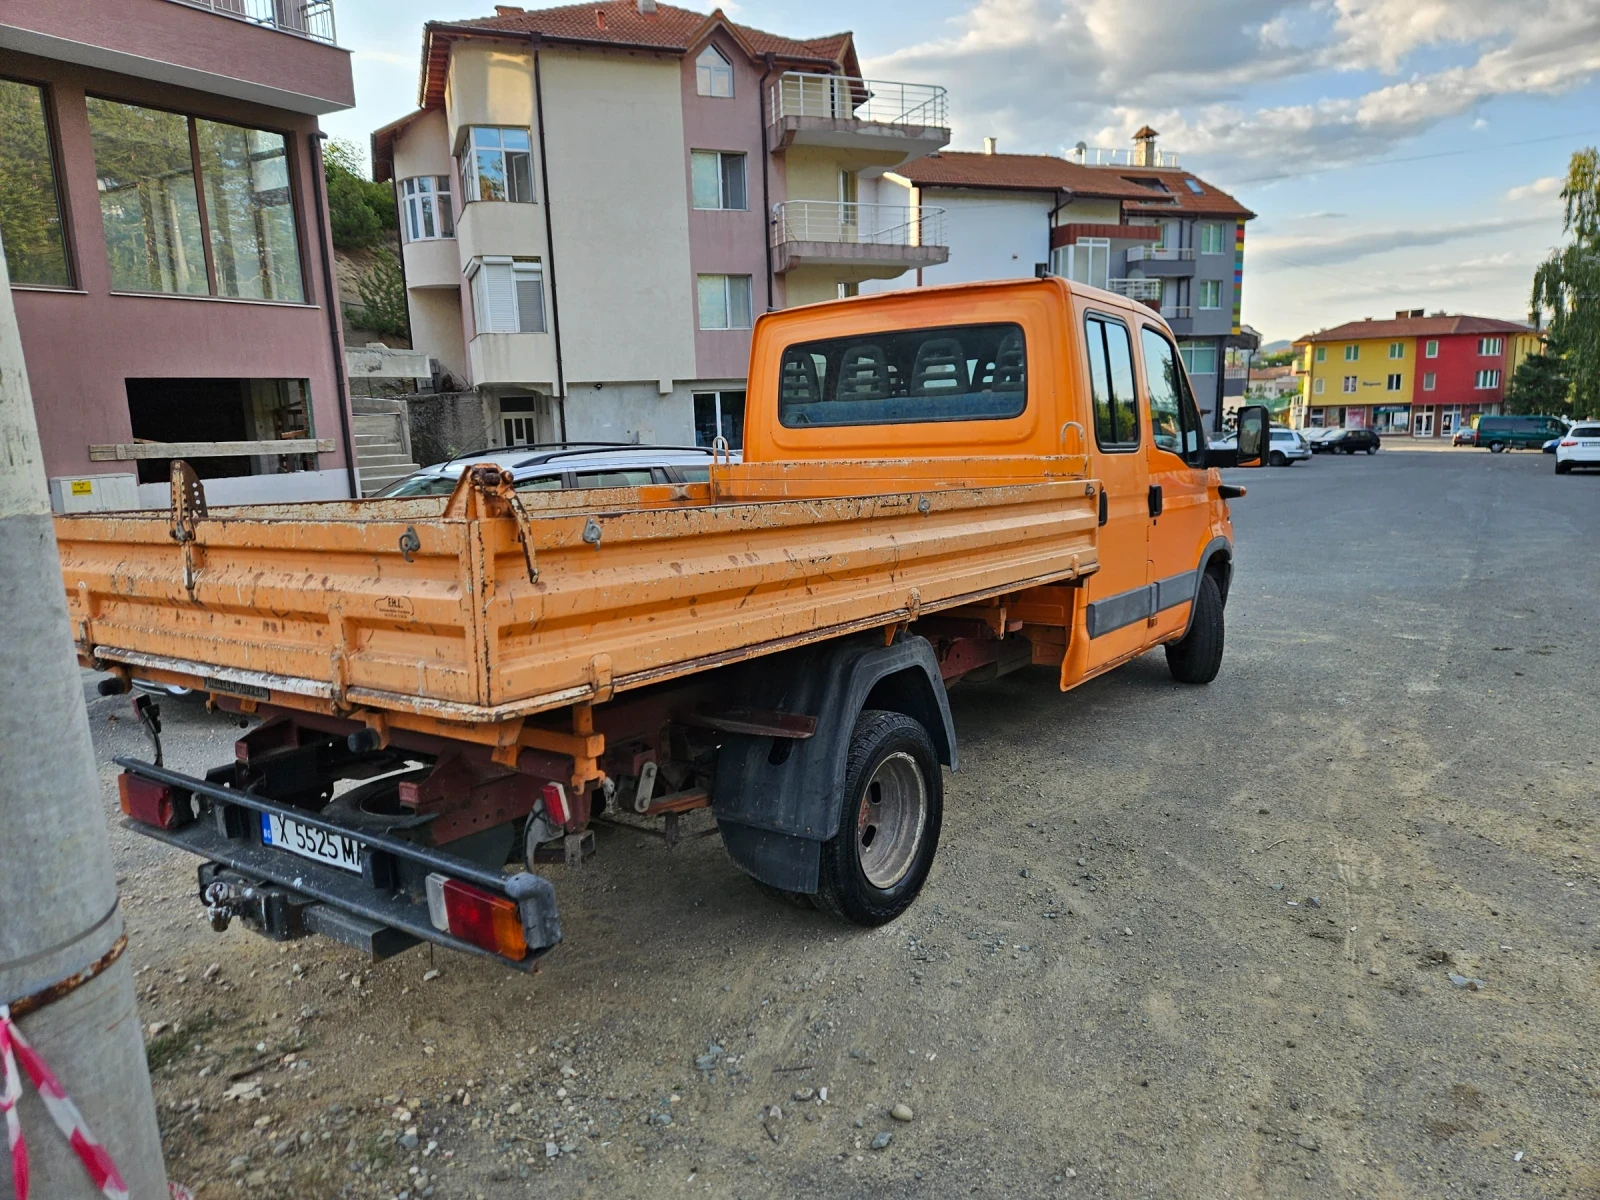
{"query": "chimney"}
(599, 18)
(647, 8)
(988, 145)
(1144, 147)
(506, 10)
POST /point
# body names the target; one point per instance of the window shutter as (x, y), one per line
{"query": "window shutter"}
(530, 299)
(499, 299)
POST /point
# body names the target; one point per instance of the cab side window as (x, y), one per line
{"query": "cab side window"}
(1116, 406)
(1174, 418)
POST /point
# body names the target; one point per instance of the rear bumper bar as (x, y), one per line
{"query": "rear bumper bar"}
(379, 910)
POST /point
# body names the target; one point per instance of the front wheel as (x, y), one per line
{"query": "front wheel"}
(1197, 656)
(878, 859)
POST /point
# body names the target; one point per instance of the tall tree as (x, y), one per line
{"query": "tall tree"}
(361, 211)
(1540, 385)
(1567, 284)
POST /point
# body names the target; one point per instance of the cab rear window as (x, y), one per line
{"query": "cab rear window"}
(906, 376)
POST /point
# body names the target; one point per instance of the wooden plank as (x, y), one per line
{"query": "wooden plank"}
(132, 451)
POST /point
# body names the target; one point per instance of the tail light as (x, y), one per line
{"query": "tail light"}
(1569, 443)
(555, 804)
(152, 803)
(475, 916)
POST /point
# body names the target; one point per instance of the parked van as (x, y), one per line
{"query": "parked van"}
(1518, 433)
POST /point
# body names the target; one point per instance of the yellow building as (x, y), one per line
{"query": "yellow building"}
(1359, 375)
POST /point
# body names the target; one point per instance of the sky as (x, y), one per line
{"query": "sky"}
(1398, 153)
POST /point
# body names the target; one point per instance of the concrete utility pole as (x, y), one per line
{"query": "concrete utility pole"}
(58, 895)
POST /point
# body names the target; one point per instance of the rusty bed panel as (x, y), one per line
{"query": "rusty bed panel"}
(427, 606)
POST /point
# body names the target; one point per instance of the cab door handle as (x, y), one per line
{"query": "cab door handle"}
(1105, 507)
(1155, 499)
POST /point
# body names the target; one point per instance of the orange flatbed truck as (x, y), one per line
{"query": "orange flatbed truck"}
(936, 485)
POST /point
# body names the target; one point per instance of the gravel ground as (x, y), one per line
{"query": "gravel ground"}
(1326, 927)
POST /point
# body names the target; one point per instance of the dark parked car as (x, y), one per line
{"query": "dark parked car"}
(1349, 441)
(1467, 435)
(1518, 433)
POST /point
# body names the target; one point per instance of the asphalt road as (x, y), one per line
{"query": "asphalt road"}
(1188, 942)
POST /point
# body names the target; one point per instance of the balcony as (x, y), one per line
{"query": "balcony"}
(1162, 262)
(903, 120)
(890, 237)
(1136, 289)
(304, 18)
(1100, 156)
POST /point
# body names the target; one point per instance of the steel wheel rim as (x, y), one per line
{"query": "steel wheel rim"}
(890, 818)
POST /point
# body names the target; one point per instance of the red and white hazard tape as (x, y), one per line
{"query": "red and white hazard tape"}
(102, 1171)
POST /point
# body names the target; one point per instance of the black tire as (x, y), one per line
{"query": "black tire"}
(1370, 450)
(1496, 447)
(1276, 459)
(844, 890)
(1197, 657)
(1563, 468)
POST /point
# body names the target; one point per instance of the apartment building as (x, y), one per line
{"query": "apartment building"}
(1132, 221)
(1416, 375)
(597, 200)
(163, 219)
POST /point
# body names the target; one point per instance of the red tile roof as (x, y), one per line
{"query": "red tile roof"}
(619, 23)
(1047, 173)
(1015, 172)
(1440, 326)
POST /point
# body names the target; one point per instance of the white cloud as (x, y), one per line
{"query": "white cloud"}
(1315, 250)
(1549, 185)
(1043, 73)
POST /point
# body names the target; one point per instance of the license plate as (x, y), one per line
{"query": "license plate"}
(1589, 445)
(285, 833)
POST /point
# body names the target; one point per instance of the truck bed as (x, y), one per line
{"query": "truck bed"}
(432, 607)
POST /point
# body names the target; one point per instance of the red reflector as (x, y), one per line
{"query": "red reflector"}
(555, 803)
(151, 803)
(475, 916)
(1569, 443)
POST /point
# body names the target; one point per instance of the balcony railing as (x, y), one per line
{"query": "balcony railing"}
(1177, 312)
(1136, 289)
(861, 224)
(1098, 156)
(311, 19)
(1159, 254)
(841, 97)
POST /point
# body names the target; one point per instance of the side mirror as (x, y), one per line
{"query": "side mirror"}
(1255, 425)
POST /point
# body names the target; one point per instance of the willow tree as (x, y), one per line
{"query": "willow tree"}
(1566, 287)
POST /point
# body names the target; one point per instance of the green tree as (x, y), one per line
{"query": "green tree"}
(1567, 285)
(361, 212)
(1540, 385)
(383, 297)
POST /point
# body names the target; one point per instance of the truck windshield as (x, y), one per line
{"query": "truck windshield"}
(949, 373)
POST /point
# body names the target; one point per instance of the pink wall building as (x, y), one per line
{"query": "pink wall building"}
(166, 236)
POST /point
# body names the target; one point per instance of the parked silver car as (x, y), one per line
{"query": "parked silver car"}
(567, 465)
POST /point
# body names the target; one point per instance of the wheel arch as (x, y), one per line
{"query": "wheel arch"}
(1215, 560)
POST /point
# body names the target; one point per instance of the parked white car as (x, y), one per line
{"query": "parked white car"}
(571, 465)
(1287, 447)
(1579, 448)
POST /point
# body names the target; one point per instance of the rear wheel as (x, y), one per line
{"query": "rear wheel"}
(1562, 468)
(1276, 459)
(1370, 450)
(1496, 447)
(879, 857)
(1197, 657)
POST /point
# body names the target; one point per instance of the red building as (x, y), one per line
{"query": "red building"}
(166, 236)
(1463, 365)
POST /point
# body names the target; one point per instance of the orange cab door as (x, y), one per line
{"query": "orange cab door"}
(1118, 594)
(1180, 503)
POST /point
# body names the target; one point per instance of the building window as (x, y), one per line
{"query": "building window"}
(498, 165)
(1352, 353)
(1428, 380)
(1316, 386)
(1211, 293)
(1432, 348)
(724, 301)
(1322, 354)
(719, 414)
(1086, 261)
(1350, 383)
(713, 74)
(1490, 346)
(1487, 379)
(429, 214)
(1392, 384)
(1199, 358)
(847, 290)
(719, 179)
(1211, 239)
(507, 295)
(1397, 349)
(30, 204)
(153, 212)
(163, 411)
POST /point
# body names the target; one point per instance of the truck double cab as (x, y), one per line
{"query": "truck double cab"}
(937, 486)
